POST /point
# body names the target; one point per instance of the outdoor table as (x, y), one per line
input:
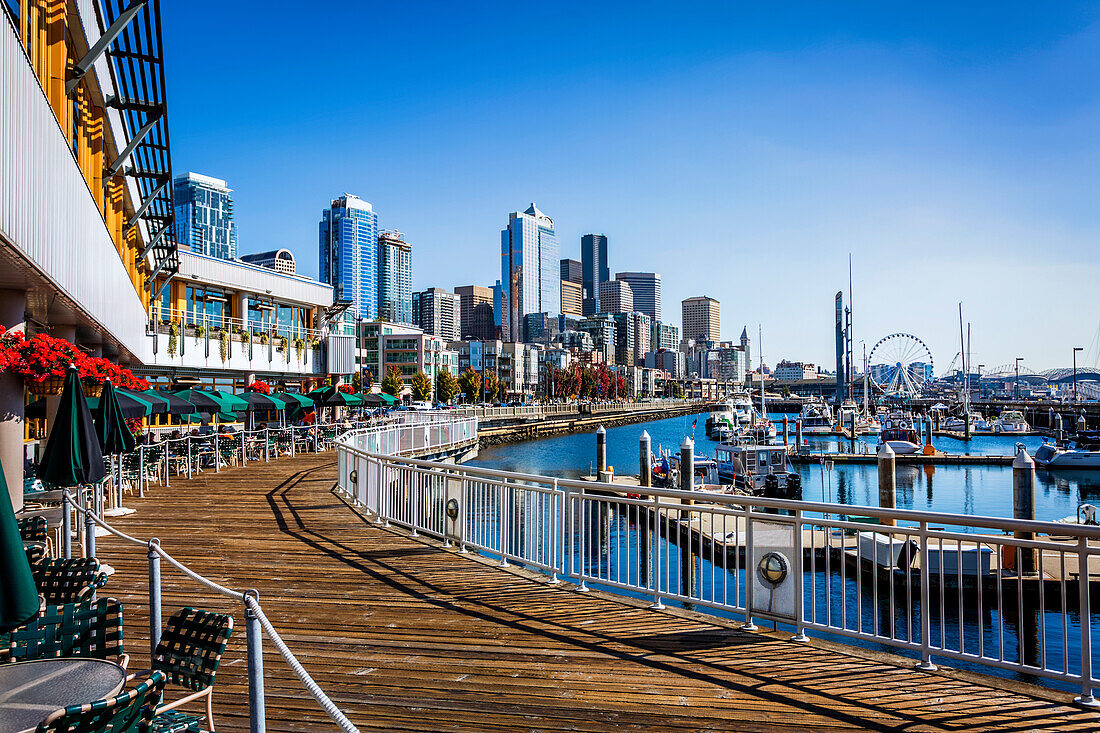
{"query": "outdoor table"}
(29, 691)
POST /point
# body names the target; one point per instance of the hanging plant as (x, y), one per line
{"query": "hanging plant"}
(244, 336)
(299, 346)
(315, 343)
(200, 331)
(263, 339)
(223, 344)
(173, 338)
(259, 386)
(284, 343)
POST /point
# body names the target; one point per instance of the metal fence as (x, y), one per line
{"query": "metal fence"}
(989, 592)
(594, 408)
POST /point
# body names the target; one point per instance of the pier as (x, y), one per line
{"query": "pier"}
(405, 634)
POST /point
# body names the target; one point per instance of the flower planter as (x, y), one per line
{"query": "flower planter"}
(51, 385)
(93, 390)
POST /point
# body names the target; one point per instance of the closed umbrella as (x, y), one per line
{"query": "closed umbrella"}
(114, 437)
(19, 601)
(72, 456)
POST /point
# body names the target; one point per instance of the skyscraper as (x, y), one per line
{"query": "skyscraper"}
(348, 253)
(476, 313)
(438, 312)
(594, 270)
(615, 296)
(571, 297)
(204, 215)
(700, 319)
(394, 278)
(530, 269)
(646, 287)
(572, 271)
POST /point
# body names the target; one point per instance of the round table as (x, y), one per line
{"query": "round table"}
(29, 691)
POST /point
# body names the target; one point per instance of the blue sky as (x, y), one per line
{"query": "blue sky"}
(742, 150)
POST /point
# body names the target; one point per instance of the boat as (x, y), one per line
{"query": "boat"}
(1009, 421)
(1085, 453)
(903, 441)
(761, 470)
(847, 415)
(957, 423)
(816, 418)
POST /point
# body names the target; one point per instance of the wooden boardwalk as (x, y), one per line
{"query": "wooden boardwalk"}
(405, 636)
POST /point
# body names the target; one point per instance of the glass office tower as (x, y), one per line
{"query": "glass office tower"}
(204, 215)
(348, 253)
(394, 278)
(594, 270)
(530, 268)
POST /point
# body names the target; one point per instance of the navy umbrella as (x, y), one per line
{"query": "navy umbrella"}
(72, 456)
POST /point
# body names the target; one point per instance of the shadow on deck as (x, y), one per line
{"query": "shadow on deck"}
(405, 636)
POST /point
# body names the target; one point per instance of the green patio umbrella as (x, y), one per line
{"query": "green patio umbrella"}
(131, 405)
(213, 401)
(72, 456)
(19, 600)
(294, 398)
(110, 425)
(333, 397)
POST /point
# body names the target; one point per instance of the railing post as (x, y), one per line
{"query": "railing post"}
(141, 471)
(154, 596)
(89, 531)
(749, 569)
(188, 456)
(267, 445)
(244, 448)
(657, 604)
(1086, 697)
(66, 526)
(217, 454)
(925, 602)
(254, 636)
(798, 562)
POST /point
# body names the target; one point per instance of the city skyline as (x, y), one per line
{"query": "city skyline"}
(902, 161)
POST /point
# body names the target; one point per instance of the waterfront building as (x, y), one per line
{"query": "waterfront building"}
(516, 364)
(438, 312)
(476, 316)
(602, 329)
(594, 270)
(572, 271)
(204, 215)
(394, 278)
(615, 296)
(383, 344)
(700, 319)
(787, 371)
(664, 336)
(646, 288)
(279, 260)
(530, 268)
(668, 360)
(348, 253)
(571, 297)
(632, 337)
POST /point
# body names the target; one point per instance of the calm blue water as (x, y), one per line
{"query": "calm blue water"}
(975, 490)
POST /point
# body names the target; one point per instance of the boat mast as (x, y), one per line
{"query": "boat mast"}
(760, 352)
(963, 356)
(866, 404)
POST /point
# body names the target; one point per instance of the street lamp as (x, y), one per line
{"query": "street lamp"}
(1018, 360)
(1075, 350)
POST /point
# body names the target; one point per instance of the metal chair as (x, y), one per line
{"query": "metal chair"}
(36, 551)
(131, 710)
(34, 529)
(86, 629)
(67, 581)
(189, 652)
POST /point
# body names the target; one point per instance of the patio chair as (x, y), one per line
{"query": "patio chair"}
(35, 551)
(34, 529)
(130, 710)
(86, 629)
(68, 581)
(189, 652)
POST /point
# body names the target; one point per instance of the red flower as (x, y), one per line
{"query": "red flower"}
(346, 389)
(259, 386)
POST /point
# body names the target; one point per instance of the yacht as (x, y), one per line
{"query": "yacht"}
(720, 420)
(1085, 453)
(903, 441)
(816, 418)
(957, 423)
(743, 410)
(847, 414)
(762, 470)
(1010, 421)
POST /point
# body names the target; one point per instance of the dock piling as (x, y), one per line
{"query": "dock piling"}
(645, 460)
(1023, 507)
(601, 453)
(887, 480)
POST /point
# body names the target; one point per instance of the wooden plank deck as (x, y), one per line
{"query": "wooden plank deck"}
(405, 636)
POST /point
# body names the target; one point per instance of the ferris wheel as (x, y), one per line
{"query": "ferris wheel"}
(899, 365)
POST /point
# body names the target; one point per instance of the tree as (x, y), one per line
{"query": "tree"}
(621, 386)
(392, 382)
(603, 381)
(588, 383)
(446, 386)
(492, 386)
(470, 384)
(421, 387)
(357, 381)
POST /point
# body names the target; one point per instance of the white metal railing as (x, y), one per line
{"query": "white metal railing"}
(1004, 593)
(595, 408)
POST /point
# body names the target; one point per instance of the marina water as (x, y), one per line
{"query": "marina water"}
(962, 489)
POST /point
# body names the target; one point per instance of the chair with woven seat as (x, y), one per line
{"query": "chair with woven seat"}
(34, 529)
(36, 551)
(130, 710)
(62, 580)
(189, 652)
(86, 629)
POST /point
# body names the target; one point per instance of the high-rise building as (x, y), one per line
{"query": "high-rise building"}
(602, 329)
(394, 278)
(204, 215)
(615, 296)
(438, 312)
(348, 253)
(632, 337)
(530, 268)
(646, 287)
(700, 319)
(571, 297)
(571, 270)
(279, 260)
(500, 309)
(476, 313)
(664, 336)
(594, 270)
